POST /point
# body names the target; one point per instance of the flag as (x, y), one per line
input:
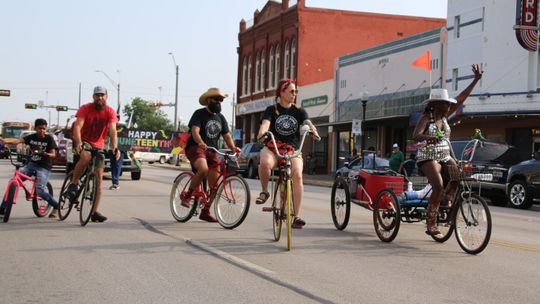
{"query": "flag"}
(423, 62)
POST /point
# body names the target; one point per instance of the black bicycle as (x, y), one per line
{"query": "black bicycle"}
(85, 197)
(468, 216)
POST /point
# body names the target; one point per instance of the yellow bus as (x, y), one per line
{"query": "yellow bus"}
(13, 130)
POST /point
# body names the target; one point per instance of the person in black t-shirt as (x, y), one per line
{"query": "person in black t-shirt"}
(284, 120)
(43, 150)
(206, 126)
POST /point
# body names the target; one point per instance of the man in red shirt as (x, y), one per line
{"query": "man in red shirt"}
(90, 129)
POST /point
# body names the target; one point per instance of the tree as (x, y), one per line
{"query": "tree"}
(183, 128)
(147, 116)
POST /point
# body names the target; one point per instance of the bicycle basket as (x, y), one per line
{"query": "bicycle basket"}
(232, 165)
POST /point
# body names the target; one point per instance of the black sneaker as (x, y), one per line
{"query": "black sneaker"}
(98, 217)
(71, 192)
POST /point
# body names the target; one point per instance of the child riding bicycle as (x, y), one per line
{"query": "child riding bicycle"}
(43, 150)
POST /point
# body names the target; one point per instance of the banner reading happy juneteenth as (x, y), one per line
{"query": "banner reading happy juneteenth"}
(160, 141)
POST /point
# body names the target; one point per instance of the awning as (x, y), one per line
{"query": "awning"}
(349, 122)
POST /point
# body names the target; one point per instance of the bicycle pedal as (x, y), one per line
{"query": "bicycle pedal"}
(267, 209)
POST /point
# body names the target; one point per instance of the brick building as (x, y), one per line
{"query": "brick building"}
(301, 42)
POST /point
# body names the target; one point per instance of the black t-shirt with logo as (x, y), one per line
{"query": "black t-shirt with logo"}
(212, 126)
(45, 144)
(286, 123)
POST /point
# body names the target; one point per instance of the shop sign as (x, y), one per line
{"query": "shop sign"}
(526, 24)
(253, 106)
(315, 101)
(535, 132)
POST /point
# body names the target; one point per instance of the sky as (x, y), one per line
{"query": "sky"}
(50, 47)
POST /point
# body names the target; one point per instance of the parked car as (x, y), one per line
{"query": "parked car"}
(4, 150)
(249, 159)
(488, 158)
(130, 164)
(152, 157)
(523, 183)
(60, 158)
(380, 164)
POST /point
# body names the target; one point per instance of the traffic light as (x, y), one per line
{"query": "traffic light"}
(61, 108)
(5, 93)
(32, 106)
(156, 104)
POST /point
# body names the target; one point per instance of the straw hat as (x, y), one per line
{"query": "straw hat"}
(439, 94)
(212, 92)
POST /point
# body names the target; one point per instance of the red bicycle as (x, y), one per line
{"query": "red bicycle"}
(230, 195)
(18, 181)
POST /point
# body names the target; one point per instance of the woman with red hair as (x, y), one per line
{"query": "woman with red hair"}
(284, 120)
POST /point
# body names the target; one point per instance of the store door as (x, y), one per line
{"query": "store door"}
(343, 148)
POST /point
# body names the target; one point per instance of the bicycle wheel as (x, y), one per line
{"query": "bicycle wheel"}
(472, 223)
(231, 203)
(277, 205)
(445, 226)
(39, 205)
(340, 203)
(65, 205)
(288, 212)
(386, 215)
(88, 199)
(7, 204)
(180, 212)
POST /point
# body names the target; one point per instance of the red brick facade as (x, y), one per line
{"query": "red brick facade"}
(321, 35)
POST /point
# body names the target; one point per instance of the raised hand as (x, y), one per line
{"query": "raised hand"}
(477, 72)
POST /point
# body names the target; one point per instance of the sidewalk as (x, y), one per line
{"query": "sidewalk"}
(314, 180)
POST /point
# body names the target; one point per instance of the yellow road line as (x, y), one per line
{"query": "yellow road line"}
(495, 242)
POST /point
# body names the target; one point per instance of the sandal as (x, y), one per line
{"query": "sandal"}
(263, 197)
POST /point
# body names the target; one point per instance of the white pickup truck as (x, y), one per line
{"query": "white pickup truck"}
(152, 157)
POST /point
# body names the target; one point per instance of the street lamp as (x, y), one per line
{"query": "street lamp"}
(364, 96)
(116, 85)
(175, 95)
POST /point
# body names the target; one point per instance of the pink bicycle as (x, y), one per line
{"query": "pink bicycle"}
(18, 181)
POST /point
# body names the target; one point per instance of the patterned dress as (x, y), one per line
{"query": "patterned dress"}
(440, 151)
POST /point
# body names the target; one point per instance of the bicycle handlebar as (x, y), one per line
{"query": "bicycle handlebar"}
(285, 156)
(221, 153)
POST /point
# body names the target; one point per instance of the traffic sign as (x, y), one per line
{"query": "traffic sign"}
(32, 106)
(5, 93)
(61, 108)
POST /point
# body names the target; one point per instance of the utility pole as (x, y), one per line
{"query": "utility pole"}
(116, 85)
(175, 94)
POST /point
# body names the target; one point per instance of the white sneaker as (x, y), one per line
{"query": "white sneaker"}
(114, 187)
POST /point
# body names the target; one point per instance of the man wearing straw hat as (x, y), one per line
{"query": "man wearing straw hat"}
(206, 125)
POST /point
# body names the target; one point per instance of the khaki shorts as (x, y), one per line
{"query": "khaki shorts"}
(100, 157)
